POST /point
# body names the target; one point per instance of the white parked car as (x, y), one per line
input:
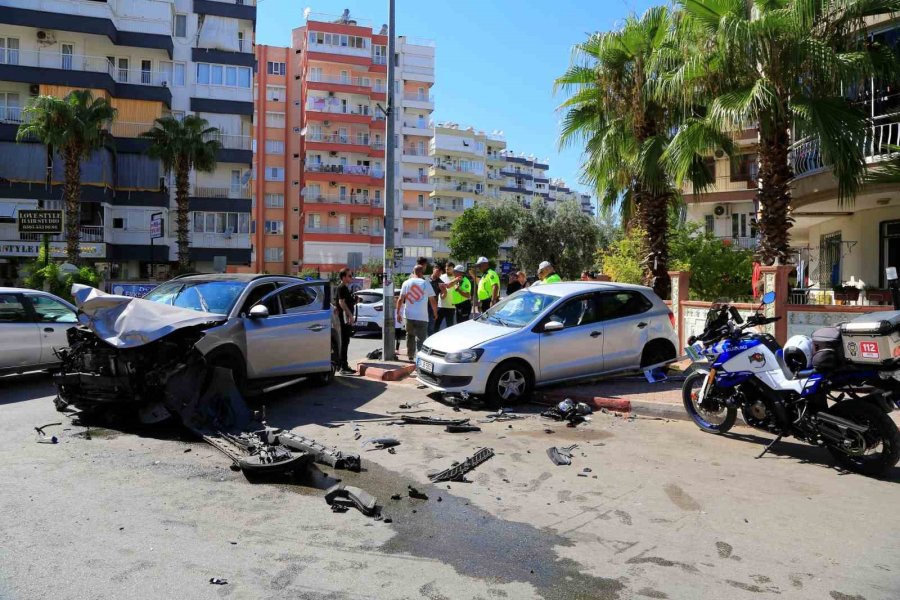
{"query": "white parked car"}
(33, 325)
(370, 310)
(547, 334)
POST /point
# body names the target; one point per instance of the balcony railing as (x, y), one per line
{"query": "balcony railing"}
(232, 142)
(457, 169)
(341, 139)
(343, 229)
(441, 227)
(413, 151)
(11, 114)
(88, 233)
(415, 179)
(345, 170)
(348, 80)
(417, 235)
(235, 191)
(805, 156)
(416, 207)
(338, 109)
(219, 240)
(449, 207)
(343, 199)
(379, 60)
(457, 187)
(419, 124)
(748, 243)
(419, 97)
(81, 62)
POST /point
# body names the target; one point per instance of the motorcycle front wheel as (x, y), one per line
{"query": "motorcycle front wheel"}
(882, 440)
(712, 414)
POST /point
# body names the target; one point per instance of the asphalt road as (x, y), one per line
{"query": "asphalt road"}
(664, 512)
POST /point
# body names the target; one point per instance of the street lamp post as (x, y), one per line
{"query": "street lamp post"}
(388, 350)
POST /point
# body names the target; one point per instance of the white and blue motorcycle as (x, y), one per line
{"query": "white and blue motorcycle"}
(836, 404)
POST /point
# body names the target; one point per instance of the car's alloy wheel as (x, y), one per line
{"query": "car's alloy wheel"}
(511, 384)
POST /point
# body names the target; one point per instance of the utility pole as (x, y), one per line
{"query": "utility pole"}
(387, 331)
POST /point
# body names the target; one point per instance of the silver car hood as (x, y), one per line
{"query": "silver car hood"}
(126, 322)
(467, 334)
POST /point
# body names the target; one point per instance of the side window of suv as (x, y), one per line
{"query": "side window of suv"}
(299, 299)
(616, 305)
(255, 295)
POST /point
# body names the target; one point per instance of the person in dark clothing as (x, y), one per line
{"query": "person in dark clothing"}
(435, 281)
(346, 316)
(517, 281)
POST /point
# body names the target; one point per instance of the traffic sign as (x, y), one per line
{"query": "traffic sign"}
(40, 221)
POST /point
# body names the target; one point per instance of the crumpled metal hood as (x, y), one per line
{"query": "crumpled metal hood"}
(125, 322)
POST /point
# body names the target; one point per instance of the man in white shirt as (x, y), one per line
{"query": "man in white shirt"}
(415, 296)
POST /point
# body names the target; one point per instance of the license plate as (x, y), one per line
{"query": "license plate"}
(426, 366)
(693, 353)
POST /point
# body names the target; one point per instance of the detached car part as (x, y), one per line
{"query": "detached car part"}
(457, 472)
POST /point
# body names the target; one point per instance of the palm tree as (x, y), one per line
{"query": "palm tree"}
(182, 146)
(626, 127)
(74, 127)
(786, 66)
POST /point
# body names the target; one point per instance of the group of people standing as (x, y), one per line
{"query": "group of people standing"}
(448, 296)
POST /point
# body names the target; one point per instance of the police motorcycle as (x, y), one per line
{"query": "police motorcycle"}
(841, 403)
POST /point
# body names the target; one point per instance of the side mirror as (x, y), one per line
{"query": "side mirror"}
(551, 326)
(259, 312)
(768, 298)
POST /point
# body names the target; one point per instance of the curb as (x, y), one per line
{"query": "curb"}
(384, 372)
(663, 410)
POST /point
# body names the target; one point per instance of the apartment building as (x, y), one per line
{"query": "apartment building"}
(320, 152)
(149, 58)
(525, 179)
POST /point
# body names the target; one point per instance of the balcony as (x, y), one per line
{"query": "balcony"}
(458, 187)
(234, 192)
(413, 151)
(236, 9)
(805, 156)
(346, 199)
(77, 70)
(379, 60)
(12, 114)
(361, 140)
(342, 230)
(417, 127)
(747, 243)
(449, 207)
(416, 235)
(450, 168)
(361, 170)
(88, 233)
(231, 142)
(414, 211)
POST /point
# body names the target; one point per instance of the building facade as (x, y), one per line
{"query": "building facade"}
(150, 58)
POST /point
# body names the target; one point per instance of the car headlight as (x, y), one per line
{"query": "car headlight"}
(464, 356)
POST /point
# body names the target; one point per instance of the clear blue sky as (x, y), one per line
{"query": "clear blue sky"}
(495, 61)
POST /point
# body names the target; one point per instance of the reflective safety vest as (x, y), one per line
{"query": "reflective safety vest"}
(486, 284)
(553, 278)
(464, 285)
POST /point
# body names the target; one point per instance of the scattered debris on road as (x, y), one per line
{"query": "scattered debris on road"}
(407, 420)
(348, 496)
(41, 435)
(416, 494)
(501, 415)
(570, 411)
(458, 472)
(382, 443)
(462, 428)
(561, 456)
(218, 581)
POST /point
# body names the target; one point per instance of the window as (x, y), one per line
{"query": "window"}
(298, 299)
(274, 254)
(49, 310)
(274, 228)
(215, 74)
(11, 309)
(241, 42)
(421, 200)
(9, 51)
(221, 222)
(120, 223)
(744, 168)
(275, 146)
(172, 73)
(274, 200)
(623, 304)
(830, 255)
(276, 68)
(274, 174)
(203, 73)
(709, 224)
(276, 93)
(275, 119)
(889, 247)
(577, 311)
(10, 107)
(314, 221)
(179, 26)
(67, 52)
(229, 76)
(123, 70)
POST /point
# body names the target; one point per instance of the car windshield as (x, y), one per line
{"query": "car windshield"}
(207, 296)
(518, 310)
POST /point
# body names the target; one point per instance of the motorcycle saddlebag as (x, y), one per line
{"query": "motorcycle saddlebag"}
(826, 348)
(873, 339)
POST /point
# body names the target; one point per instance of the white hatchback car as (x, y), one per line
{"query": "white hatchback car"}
(33, 327)
(370, 310)
(547, 334)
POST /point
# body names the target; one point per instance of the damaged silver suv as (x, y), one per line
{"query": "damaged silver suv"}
(269, 331)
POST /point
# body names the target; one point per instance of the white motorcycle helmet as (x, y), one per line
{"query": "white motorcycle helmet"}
(798, 353)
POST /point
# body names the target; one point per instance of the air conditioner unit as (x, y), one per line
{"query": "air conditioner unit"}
(326, 123)
(45, 38)
(722, 210)
(331, 94)
(332, 153)
(719, 153)
(332, 213)
(34, 89)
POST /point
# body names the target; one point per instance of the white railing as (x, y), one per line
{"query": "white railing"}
(339, 110)
(748, 243)
(379, 60)
(338, 79)
(220, 240)
(458, 169)
(457, 187)
(202, 191)
(81, 62)
(419, 124)
(418, 235)
(232, 142)
(805, 156)
(125, 129)
(415, 179)
(419, 97)
(413, 151)
(448, 207)
(416, 41)
(11, 114)
(343, 229)
(359, 140)
(444, 227)
(345, 170)
(340, 19)
(343, 199)
(87, 233)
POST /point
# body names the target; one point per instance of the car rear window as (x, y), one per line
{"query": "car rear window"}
(616, 305)
(368, 298)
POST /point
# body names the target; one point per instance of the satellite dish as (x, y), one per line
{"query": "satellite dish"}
(306, 12)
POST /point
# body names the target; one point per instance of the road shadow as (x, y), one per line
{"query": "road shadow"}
(304, 404)
(805, 454)
(618, 387)
(28, 386)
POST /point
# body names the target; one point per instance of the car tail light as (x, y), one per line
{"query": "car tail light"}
(381, 308)
(672, 319)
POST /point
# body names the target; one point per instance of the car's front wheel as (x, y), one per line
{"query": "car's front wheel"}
(511, 382)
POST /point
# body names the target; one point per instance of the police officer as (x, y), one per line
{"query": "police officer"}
(488, 285)
(547, 274)
(460, 291)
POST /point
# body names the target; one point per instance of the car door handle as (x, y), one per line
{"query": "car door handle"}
(316, 327)
(641, 325)
(596, 334)
(49, 330)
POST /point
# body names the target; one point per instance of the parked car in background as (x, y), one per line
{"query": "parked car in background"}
(33, 327)
(268, 330)
(548, 334)
(370, 310)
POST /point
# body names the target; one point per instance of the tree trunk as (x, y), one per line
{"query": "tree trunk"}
(655, 213)
(774, 195)
(182, 170)
(72, 195)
